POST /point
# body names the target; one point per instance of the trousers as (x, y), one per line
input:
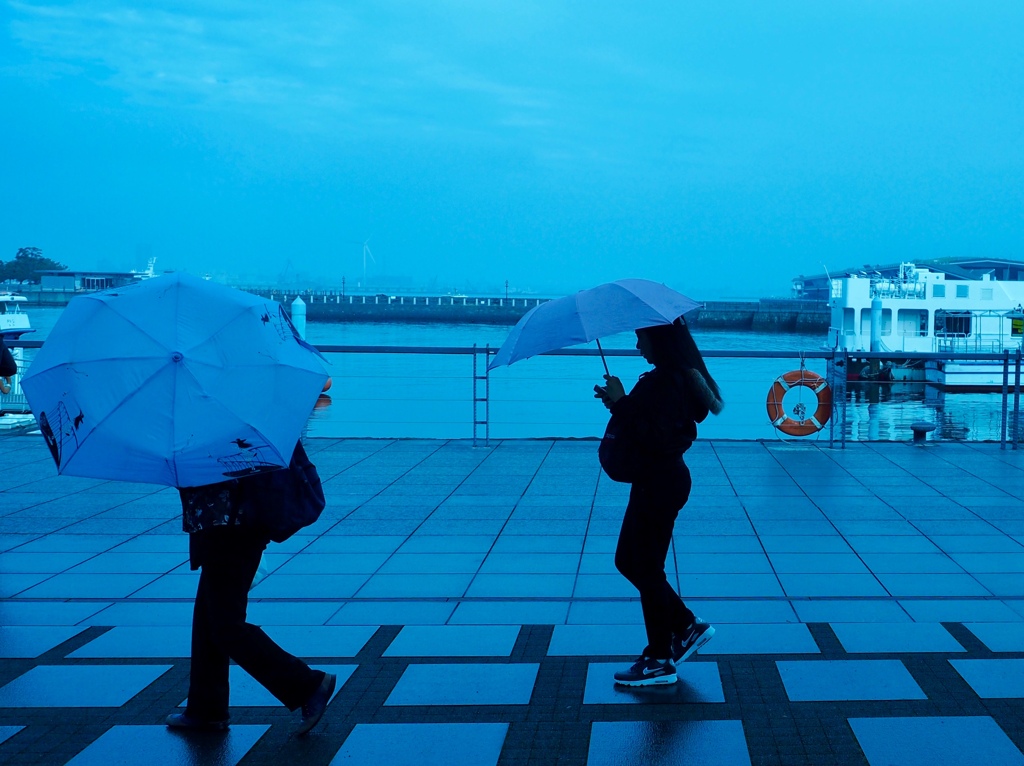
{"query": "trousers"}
(643, 546)
(220, 633)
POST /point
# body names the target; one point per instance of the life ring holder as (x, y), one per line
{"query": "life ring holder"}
(803, 424)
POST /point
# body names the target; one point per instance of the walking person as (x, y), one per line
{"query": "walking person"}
(226, 544)
(654, 424)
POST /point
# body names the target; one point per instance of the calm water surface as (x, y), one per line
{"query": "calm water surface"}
(420, 395)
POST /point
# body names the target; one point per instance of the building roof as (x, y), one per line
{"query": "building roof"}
(959, 268)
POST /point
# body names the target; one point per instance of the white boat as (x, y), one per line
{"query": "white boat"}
(924, 311)
(13, 324)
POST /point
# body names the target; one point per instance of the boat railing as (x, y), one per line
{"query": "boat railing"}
(378, 392)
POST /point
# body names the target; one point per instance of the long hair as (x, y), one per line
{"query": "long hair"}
(672, 346)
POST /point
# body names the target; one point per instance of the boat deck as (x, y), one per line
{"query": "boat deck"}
(869, 604)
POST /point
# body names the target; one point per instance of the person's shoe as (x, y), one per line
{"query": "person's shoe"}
(188, 723)
(315, 706)
(683, 647)
(647, 671)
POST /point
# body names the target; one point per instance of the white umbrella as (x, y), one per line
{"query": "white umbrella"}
(607, 309)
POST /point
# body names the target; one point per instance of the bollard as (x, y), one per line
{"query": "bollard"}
(921, 431)
(299, 317)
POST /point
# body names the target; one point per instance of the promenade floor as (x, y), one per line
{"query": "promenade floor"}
(869, 604)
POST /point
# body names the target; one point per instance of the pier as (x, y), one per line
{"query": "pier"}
(867, 604)
(764, 315)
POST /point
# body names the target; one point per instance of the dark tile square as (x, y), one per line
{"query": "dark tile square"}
(469, 684)
(163, 747)
(423, 744)
(939, 741)
(840, 680)
(644, 743)
(79, 685)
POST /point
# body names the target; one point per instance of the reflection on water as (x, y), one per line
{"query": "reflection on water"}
(430, 396)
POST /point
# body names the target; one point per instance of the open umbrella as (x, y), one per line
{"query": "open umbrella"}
(607, 309)
(172, 380)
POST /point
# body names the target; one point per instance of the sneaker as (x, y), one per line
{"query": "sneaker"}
(647, 671)
(315, 706)
(187, 722)
(699, 634)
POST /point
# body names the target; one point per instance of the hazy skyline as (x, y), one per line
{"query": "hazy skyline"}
(722, 147)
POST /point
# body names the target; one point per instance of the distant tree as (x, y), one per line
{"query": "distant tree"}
(27, 261)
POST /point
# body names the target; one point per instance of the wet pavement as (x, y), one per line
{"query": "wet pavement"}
(869, 604)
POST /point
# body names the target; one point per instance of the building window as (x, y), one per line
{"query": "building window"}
(952, 324)
(963, 291)
(938, 291)
(986, 293)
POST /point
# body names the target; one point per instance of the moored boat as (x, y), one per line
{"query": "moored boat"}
(921, 311)
(13, 324)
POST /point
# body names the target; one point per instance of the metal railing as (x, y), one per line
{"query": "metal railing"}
(480, 413)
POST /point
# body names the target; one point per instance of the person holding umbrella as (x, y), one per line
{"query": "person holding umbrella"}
(182, 382)
(226, 544)
(656, 422)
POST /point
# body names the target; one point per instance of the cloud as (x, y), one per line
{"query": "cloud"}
(313, 63)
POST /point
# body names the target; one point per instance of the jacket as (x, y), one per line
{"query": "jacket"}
(662, 411)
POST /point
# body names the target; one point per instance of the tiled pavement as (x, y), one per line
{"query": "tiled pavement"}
(869, 603)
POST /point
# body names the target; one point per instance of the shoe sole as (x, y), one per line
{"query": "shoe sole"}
(658, 681)
(704, 637)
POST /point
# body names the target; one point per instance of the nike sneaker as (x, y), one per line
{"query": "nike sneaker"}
(647, 671)
(695, 637)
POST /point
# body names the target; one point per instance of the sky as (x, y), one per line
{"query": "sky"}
(721, 147)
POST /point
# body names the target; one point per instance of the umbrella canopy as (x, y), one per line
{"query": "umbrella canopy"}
(172, 380)
(607, 309)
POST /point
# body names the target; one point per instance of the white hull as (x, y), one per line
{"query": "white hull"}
(969, 375)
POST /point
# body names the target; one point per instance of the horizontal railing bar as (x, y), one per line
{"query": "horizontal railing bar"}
(715, 353)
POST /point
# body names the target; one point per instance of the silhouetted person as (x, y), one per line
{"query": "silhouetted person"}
(659, 418)
(228, 552)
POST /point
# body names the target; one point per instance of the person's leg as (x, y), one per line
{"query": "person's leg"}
(640, 556)
(208, 677)
(231, 562)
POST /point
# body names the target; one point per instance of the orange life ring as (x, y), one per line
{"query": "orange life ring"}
(5, 385)
(327, 387)
(805, 425)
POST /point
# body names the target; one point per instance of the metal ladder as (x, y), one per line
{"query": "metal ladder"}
(481, 401)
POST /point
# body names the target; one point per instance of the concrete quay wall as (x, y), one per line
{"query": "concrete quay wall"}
(758, 316)
(766, 315)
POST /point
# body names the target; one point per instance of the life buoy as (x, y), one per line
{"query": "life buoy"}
(327, 387)
(5, 385)
(803, 424)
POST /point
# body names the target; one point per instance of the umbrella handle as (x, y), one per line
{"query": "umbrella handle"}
(603, 360)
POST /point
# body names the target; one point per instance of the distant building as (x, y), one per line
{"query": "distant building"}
(819, 286)
(66, 280)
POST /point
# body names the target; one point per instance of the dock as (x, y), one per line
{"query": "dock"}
(868, 603)
(765, 315)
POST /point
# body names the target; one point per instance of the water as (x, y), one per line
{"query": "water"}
(430, 396)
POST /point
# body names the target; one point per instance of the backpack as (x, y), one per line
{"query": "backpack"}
(280, 503)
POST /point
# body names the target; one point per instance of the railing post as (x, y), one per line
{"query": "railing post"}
(487, 393)
(1006, 384)
(473, 420)
(832, 374)
(846, 374)
(1016, 399)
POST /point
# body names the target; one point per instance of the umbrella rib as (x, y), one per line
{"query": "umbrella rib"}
(104, 419)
